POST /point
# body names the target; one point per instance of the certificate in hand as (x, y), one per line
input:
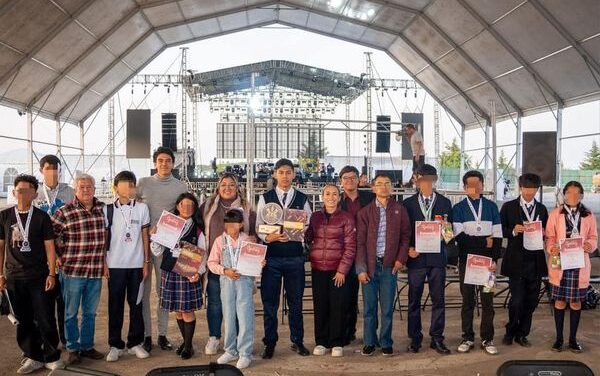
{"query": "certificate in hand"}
(251, 258)
(533, 236)
(168, 229)
(477, 271)
(427, 236)
(571, 254)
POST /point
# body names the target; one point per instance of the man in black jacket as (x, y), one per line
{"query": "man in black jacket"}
(427, 205)
(523, 264)
(353, 199)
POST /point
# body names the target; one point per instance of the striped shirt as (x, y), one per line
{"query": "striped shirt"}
(381, 232)
(82, 234)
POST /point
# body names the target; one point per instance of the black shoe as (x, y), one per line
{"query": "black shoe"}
(164, 343)
(180, 349)
(300, 349)
(440, 347)
(187, 353)
(387, 351)
(558, 345)
(413, 347)
(268, 352)
(91, 354)
(575, 347)
(368, 350)
(147, 344)
(523, 341)
(507, 340)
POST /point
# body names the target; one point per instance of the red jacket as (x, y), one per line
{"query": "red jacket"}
(397, 236)
(332, 241)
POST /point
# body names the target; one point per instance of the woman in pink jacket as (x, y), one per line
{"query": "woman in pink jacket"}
(571, 220)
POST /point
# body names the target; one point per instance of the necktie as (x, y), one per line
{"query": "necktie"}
(284, 198)
(530, 209)
(427, 202)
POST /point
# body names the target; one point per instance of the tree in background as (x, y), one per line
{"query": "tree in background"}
(311, 153)
(450, 157)
(504, 164)
(592, 158)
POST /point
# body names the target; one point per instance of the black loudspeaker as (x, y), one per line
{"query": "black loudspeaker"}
(415, 118)
(544, 367)
(382, 140)
(169, 130)
(138, 134)
(212, 369)
(539, 155)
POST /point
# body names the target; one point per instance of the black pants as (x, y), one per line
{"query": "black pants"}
(524, 292)
(436, 279)
(330, 304)
(352, 305)
(418, 163)
(60, 312)
(34, 308)
(124, 282)
(486, 329)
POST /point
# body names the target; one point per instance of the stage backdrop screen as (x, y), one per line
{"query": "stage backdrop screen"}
(411, 118)
(138, 134)
(539, 155)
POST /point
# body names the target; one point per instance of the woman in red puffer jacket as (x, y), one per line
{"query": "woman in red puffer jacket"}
(332, 239)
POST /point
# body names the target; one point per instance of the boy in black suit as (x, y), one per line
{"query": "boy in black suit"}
(524, 267)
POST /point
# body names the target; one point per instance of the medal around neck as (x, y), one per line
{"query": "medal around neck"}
(272, 215)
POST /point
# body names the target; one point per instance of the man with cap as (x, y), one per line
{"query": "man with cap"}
(427, 205)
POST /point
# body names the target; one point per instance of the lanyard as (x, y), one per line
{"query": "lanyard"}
(477, 215)
(24, 231)
(427, 211)
(528, 215)
(127, 221)
(234, 253)
(50, 202)
(573, 219)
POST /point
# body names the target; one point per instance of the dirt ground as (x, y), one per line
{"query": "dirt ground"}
(285, 362)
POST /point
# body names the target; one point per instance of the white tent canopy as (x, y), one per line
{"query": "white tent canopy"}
(65, 58)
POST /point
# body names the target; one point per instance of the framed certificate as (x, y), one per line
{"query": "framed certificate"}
(427, 236)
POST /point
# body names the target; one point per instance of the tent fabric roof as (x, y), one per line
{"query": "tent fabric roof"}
(65, 58)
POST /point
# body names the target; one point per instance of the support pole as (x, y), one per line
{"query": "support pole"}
(111, 139)
(250, 146)
(81, 146)
(184, 129)
(436, 132)
(369, 118)
(30, 142)
(348, 161)
(519, 150)
(559, 120)
(461, 169)
(58, 138)
(486, 148)
(494, 150)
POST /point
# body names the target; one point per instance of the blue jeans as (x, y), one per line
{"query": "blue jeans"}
(214, 311)
(380, 290)
(238, 314)
(84, 293)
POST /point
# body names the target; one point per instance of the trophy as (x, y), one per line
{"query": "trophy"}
(271, 214)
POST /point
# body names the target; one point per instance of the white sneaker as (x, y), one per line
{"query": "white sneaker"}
(226, 358)
(243, 362)
(114, 354)
(319, 350)
(337, 351)
(489, 347)
(30, 365)
(139, 352)
(465, 346)
(58, 364)
(212, 346)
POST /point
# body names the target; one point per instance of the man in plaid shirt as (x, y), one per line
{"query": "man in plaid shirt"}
(81, 231)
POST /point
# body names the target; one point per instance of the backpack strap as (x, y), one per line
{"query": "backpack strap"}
(110, 210)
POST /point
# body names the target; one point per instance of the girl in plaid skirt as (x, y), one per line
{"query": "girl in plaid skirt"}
(179, 294)
(572, 220)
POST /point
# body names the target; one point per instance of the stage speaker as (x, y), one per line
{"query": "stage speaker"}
(544, 367)
(415, 118)
(212, 369)
(382, 140)
(138, 134)
(169, 130)
(539, 155)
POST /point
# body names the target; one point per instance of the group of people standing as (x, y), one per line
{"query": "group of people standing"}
(58, 243)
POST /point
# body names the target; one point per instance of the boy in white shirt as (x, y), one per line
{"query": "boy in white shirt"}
(127, 258)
